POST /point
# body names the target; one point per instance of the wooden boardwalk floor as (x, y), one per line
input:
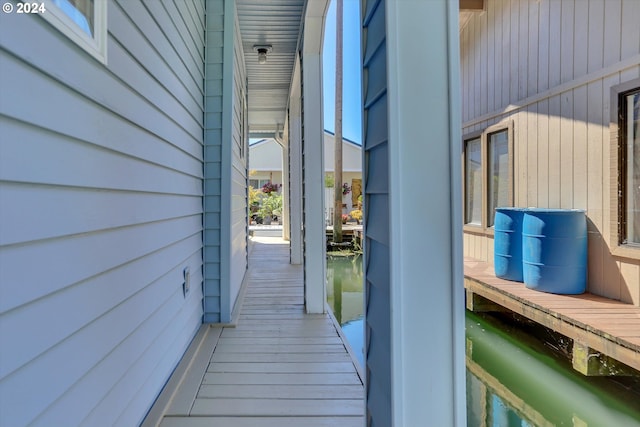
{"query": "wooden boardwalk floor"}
(277, 367)
(608, 326)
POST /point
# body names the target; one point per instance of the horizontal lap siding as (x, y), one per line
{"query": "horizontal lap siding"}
(239, 219)
(553, 64)
(101, 195)
(213, 159)
(376, 190)
(226, 225)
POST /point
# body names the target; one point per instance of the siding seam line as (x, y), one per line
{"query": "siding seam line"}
(107, 108)
(561, 88)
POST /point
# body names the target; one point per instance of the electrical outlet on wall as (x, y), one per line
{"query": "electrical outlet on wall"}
(187, 279)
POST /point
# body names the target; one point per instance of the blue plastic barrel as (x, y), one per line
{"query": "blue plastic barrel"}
(507, 243)
(554, 250)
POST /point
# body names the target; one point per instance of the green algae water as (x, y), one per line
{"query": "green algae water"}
(513, 381)
(512, 378)
(345, 296)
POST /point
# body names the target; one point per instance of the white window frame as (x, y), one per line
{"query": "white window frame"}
(95, 45)
(630, 190)
(260, 183)
(467, 139)
(619, 246)
(489, 165)
(484, 228)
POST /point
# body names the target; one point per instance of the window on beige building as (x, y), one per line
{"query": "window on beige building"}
(473, 181)
(630, 166)
(498, 176)
(625, 169)
(488, 175)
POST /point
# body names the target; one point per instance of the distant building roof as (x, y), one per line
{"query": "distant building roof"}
(344, 139)
(253, 142)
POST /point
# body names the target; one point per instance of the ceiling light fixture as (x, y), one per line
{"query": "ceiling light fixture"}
(262, 50)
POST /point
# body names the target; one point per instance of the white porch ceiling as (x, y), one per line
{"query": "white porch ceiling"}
(276, 23)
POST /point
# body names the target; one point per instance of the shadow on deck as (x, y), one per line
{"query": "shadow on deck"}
(277, 367)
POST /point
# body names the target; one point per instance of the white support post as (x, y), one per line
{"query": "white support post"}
(286, 201)
(295, 166)
(427, 308)
(314, 227)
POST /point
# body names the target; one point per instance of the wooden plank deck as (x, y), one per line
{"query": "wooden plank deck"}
(277, 367)
(607, 326)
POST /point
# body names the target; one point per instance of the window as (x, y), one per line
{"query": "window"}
(625, 169)
(499, 176)
(473, 182)
(629, 147)
(488, 176)
(258, 183)
(83, 21)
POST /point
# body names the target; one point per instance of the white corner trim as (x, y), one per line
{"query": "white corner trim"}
(417, 299)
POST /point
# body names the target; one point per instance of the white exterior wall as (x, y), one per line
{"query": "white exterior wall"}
(266, 156)
(101, 211)
(351, 155)
(274, 176)
(548, 67)
(266, 163)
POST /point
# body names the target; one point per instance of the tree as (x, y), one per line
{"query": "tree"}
(337, 183)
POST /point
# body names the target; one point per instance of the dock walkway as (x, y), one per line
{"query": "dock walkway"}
(277, 367)
(596, 325)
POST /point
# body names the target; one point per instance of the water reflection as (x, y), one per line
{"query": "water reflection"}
(344, 287)
(511, 379)
(513, 382)
(344, 295)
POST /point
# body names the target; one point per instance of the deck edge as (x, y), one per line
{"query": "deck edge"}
(346, 344)
(572, 328)
(180, 378)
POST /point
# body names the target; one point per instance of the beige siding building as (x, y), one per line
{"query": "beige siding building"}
(550, 111)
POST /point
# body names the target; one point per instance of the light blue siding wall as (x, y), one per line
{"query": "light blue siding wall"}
(225, 243)
(101, 211)
(239, 226)
(376, 190)
(213, 158)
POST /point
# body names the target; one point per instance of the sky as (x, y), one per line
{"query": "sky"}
(351, 83)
